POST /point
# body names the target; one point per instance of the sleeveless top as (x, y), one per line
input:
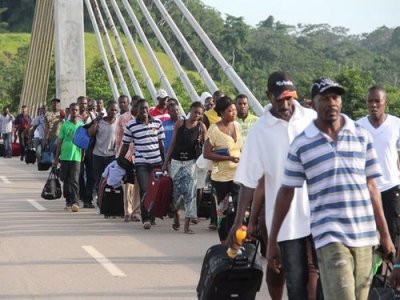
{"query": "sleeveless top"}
(185, 143)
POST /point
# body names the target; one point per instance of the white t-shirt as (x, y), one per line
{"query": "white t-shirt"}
(265, 152)
(6, 123)
(386, 142)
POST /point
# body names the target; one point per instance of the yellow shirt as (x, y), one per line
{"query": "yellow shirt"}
(212, 116)
(224, 171)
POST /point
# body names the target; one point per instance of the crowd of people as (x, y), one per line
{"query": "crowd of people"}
(320, 188)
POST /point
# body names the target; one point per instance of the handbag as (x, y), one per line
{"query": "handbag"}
(82, 138)
(52, 188)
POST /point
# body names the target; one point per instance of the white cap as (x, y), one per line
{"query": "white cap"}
(161, 94)
(204, 96)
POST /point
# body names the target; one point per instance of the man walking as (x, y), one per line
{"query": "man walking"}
(6, 122)
(23, 123)
(264, 154)
(147, 135)
(385, 131)
(70, 156)
(337, 160)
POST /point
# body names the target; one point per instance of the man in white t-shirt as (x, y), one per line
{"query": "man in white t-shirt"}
(264, 154)
(385, 131)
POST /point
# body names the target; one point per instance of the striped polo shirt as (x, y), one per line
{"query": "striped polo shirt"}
(336, 174)
(145, 139)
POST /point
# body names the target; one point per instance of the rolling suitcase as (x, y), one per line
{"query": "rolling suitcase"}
(204, 207)
(158, 197)
(225, 278)
(112, 202)
(16, 149)
(2, 150)
(30, 155)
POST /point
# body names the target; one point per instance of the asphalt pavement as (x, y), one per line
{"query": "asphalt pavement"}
(46, 253)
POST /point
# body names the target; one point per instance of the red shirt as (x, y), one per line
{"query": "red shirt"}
(162, 115)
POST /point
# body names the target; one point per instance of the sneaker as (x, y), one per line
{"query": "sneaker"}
(147, 225)
(67, 209)
(98, 210)
(75, 207)
(88, 205)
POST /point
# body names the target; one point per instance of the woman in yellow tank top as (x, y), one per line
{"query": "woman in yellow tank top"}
(223, 145)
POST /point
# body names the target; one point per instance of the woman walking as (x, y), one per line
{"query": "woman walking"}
(222, 146)
(188, 135)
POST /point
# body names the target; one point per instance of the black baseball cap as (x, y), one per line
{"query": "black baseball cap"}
(55, 99)
(324, 84)
(281, 84)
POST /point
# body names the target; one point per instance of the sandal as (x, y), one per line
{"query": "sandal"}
(189, 231)
(194, 221)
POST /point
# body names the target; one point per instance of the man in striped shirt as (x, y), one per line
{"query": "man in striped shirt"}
(147, 135)
(336, 158)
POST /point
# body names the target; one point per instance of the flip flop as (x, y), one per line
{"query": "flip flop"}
(189, 231)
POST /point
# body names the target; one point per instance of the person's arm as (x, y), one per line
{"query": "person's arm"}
(208, 153)
(206, 121)
(245, 197)
(46, 131)
(171, 145)
(58, 152)
(92, 130)
(380, 220)
(256, 206)
(203, 132)
(161, 147)
(282, 206)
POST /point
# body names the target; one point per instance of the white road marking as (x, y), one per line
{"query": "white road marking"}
(104, 261)
(5, 180)
(35, 204)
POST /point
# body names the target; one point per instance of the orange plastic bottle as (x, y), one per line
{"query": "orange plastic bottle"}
(240, 235)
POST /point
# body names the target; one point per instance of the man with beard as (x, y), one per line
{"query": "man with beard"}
(336, 159)
(263, 159)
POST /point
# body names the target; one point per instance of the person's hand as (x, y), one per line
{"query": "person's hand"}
(55, 163)
(273, 256)
(231, 239)
(234, 159)
(164, 168)
(395, 279)
(251, 230)
(389, 249)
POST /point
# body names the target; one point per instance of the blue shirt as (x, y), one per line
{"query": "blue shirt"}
(336, 173)
(169, 131)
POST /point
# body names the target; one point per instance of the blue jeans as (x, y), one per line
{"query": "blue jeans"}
(7, 139)
(294, 258)
(142, 176)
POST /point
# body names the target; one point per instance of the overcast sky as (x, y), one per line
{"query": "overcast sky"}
(357, 15)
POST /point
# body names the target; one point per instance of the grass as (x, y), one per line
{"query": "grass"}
(10, 42)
